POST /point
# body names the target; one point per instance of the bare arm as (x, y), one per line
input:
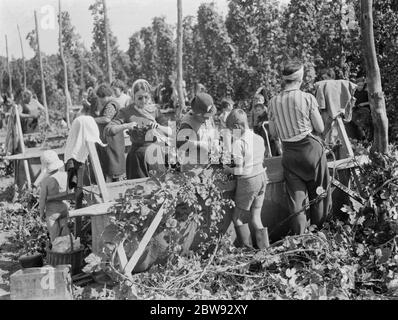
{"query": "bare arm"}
(114, 128)
(102, 120)
(26, 116)
(316, 121)
(118, 124)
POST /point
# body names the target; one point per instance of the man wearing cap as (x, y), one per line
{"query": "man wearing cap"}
(197, 131)
(294, 116)
(54, 212)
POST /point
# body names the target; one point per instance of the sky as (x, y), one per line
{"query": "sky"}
(125, 16)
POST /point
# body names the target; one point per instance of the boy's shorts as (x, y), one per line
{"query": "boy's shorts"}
(250, 192)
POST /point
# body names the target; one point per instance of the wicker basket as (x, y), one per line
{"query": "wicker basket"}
(74, 258)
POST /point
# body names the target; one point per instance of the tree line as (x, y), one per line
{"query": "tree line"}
(232, 55)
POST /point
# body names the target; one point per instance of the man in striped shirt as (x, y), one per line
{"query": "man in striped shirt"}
(294, 116)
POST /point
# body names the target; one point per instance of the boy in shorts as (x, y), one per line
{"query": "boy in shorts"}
(248, 154)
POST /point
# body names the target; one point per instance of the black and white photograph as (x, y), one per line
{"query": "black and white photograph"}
(198, 156)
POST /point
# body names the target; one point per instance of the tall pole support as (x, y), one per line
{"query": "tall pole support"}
(43, 87)
(108, 45)
(61, 53)
(9, 71)
(23, 58)
(375, 90)
(180, 92)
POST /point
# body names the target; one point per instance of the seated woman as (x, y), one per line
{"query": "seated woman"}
(145, 124)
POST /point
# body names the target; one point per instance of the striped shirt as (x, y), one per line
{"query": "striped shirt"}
(290, 111)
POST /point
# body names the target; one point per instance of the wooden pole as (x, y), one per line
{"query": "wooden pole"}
(9, 72)
(22, 146)
(82, 85)
(375, 90)
(181, 97)
(61, 53)
(1, 80)
(144, 242)
(23, 58)
(98, 223)
(108, 45)
(43, 88)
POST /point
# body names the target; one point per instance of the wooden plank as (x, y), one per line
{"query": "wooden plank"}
(115, 188)
(31, 153)
(354, 195)
(91, 211)
(122, 256)
(348, 163)
(145, 240)
(99, 176)
(98, 223)
(345, 140)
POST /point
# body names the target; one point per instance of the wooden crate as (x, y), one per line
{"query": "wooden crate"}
(47, 283)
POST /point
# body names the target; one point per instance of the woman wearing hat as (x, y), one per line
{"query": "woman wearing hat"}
(146, 125)
(197, 131)
(294, 117)
(54, 212)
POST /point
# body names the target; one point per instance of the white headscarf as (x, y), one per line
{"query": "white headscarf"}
(295, 76)
(84, 129)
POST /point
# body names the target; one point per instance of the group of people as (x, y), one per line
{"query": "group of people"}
(293, 119)
(29, 110)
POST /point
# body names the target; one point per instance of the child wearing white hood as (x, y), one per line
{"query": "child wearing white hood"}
(53, 212)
